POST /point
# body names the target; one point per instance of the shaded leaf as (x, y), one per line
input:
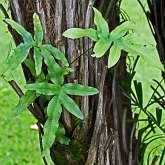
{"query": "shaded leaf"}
(44, 88)
(38, 31)
(139, 92)
(81, 90)
(26, 35)
(114, 55)
(121, 30)
(54, 70)
(101, 47)
(56, 53)
(79, 33)
(158, 115)
(38, 60)
(102, 26)
(51, 126)
(24, 102)
(30, 64)
(60, 135)
(70, 105)
(17, 57)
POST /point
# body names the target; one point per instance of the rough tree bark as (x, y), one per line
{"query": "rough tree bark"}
(104, 137)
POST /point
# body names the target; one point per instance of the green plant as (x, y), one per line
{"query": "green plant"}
(49, 84)
(121, 38)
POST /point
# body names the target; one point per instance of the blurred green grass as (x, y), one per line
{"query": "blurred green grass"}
(18, 143)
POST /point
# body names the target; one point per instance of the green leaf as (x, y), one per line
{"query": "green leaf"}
(38, 60)
(101, 47)
(81, 90)
(24, 102)
(51, 126)
(44, 88)
(70, 105)
(114, 55)
(79, 33)
(54, 70)
(17, 57)
(60, 135)
(102, 26)
(63, 139)
(121, 30)
(158, 115)
(147, 52)
(38, 31)
(139, 92)
(30, 64)
(26, 35)
(56, 53)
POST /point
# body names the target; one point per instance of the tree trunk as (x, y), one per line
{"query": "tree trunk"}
(104, 137)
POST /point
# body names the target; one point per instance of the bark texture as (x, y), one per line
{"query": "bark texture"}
(103, 137)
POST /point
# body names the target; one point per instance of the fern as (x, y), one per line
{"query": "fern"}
(48, 84)
(115, 41)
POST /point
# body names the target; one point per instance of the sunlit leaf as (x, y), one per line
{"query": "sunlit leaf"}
(101, 47)
(38, 60)
(122, 29)
(77, 89)
(148, 53)
(17, 57)
(24, 102)
(26, 35)
(114, 55)
(56, 53)
(79, 33)
(102, 26)
(38, 32)
(44, 88)
(70, 105)
(51, 126)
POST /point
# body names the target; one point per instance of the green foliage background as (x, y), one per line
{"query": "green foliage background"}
(18, 143)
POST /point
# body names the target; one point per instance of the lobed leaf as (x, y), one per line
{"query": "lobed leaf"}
(38, 60)
(147, 52)
(44, 88)
(17, 57)
(114, 55)
(121, 30)
(102, 26)
(56, 53)
(79, 33)
(51, 126)
(38, 31)
(81, 90)
(70, 105)
(24, 102)
(26, 35)
(101, 47)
